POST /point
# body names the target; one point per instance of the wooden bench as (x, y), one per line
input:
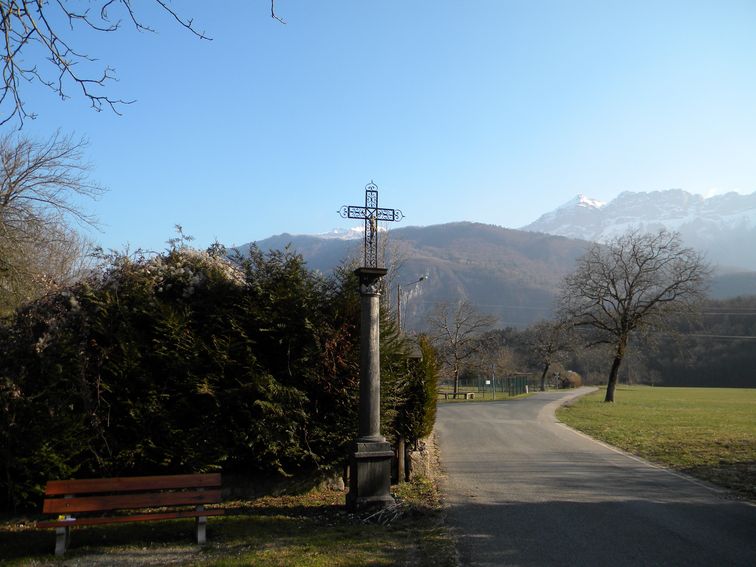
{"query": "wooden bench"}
(107, 496)
(464, 395)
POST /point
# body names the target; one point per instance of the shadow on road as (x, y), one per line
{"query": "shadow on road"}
(605, 533)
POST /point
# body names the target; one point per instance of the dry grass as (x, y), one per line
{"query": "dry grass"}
(313, 529)
(308, 530)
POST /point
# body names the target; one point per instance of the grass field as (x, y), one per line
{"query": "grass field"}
(313, 530)
(709, 433)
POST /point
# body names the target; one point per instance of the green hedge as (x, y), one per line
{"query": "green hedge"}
(186, 362)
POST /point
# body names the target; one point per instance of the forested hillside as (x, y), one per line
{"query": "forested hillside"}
(513, 275)
(510, 274)
(720, 350)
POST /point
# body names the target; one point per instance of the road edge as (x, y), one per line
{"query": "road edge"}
(721, 491)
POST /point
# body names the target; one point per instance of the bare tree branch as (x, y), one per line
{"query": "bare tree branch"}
(635, 283)
(273, 12)
(29, 26)
(41, 184)
(550, 342)
(457, 334)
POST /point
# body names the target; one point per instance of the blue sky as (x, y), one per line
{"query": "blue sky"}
(491, 111)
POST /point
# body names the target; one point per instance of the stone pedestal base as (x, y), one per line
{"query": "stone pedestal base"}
(370, 476)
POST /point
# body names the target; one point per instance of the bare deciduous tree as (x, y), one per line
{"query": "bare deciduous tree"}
(495, 359)
(41, 186)
(31, 269)
(457, 333)
(40, 183)
(550, 341)
(40, 46)
(634, 283)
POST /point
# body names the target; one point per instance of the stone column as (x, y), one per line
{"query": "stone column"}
(370, 463)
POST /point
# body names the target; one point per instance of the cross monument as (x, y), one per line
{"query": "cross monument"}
(371, 213)
(370, 462)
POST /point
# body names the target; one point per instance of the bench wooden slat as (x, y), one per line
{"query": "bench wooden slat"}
(125, 501)
(126, 519)
(72, 496)
(95, 485)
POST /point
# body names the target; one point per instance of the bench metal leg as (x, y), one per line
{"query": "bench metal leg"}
(62, 539)
(201, 530)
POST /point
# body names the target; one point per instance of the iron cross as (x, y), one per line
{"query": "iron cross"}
(371, 213)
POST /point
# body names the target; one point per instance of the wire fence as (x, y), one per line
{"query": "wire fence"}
(493, 387)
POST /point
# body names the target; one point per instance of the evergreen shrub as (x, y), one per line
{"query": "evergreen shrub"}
(181, 362)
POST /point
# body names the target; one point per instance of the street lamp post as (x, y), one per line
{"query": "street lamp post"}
(399, 300)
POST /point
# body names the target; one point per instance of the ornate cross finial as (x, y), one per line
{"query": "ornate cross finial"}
(371, 213)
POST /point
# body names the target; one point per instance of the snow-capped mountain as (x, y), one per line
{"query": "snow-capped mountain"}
(342, 233)
(581, 201)
(512, 275)
(723, 226)
(354, 233)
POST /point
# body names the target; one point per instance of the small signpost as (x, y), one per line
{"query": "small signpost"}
(370, 463)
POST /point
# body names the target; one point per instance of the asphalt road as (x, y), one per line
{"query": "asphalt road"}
(523, 489)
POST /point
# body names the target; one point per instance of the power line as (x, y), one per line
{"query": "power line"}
(725, 337)
(707, 336)
(736, 313)
(524, 307)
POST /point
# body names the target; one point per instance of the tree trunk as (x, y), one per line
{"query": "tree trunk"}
(614, 372)
(407, 462)
(456, 380)
(401, 455)
(543, 377)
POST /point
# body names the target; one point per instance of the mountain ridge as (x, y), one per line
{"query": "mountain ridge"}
(515, 274)
(718, 225)
(510, 274)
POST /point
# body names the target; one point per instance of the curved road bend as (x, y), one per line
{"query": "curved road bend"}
(523, 489)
